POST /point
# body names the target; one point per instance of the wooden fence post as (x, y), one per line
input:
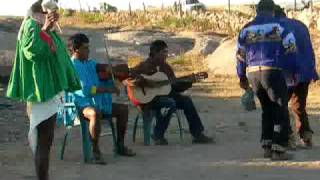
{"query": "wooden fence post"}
(144, 7)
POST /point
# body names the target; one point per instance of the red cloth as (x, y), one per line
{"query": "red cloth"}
(46, 38)
(133, 100)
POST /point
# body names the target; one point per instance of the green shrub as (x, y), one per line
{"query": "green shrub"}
(175, 22)
(67, 12)
(91, 18)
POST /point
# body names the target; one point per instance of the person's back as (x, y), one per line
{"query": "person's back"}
(305, 73)
(263, 39)
(305, 53)
(261, 46)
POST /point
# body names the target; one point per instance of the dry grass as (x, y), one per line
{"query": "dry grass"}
(134, 61)
(213, 21)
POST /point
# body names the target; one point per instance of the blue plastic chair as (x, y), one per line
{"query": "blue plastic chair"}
(147, 117)
(67, 114)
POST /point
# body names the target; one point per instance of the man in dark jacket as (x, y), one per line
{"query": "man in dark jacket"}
(261, 43)
(298, 82)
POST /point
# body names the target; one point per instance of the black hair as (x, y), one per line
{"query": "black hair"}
(279, 12)
(76, 41)
(156, 46)
(265, 5)
(36, 7)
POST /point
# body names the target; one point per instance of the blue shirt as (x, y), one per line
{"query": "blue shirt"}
(262, 42)
(87, 73)
(305, 58)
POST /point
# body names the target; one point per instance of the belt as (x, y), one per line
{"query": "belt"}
(261, 68)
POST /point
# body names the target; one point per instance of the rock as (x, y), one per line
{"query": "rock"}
(209, 46)
(222, 60)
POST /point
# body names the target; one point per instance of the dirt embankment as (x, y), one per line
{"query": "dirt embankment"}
(122, 44)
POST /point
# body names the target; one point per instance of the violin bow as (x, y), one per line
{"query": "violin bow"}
(105, 38)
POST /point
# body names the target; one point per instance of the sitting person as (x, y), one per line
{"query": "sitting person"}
(95, 100)
(157, 59)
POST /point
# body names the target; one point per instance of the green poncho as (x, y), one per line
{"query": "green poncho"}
(38, 73)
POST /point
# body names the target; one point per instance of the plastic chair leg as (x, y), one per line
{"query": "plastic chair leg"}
(86, 143)
(147, 122)
(64, 142)
(135, 128)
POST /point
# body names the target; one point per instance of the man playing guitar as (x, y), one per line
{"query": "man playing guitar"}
(173, 100)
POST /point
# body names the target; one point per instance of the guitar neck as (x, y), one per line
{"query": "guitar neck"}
(186, 78)
(194, 77)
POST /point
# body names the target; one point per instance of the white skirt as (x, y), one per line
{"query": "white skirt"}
(38, 112)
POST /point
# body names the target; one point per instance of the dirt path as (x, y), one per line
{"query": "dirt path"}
(236, 155)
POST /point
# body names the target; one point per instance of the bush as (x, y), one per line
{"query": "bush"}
(91, 18)
(175, 22)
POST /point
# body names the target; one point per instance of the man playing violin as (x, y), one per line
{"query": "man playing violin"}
(94, 100)
(174, 100)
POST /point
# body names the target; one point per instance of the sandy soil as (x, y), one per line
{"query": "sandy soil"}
(236, 155)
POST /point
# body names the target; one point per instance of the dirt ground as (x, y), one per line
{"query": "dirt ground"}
(236, 155)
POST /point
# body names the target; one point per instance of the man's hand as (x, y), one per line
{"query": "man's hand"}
(244, 83)
(50, 21)
(129, 82)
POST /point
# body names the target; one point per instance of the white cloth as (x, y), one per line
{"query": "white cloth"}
(38, 112)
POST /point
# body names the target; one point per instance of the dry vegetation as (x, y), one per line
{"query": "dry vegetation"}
(215, 21)
(218, 21)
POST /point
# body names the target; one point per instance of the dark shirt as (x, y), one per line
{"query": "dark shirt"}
(148, 67)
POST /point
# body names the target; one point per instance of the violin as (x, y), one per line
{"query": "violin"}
(120, 72)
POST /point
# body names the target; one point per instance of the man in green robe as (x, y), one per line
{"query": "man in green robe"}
(42, 71)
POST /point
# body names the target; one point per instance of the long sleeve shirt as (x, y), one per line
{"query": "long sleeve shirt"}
(39, 73)
(305, 58)
(262, 42)
(87, 72)
(148, 67)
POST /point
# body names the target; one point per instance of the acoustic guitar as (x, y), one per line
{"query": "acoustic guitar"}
(160, 85)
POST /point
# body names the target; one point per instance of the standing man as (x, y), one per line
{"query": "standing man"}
(261, 43)
(298, 82)
(42, 70)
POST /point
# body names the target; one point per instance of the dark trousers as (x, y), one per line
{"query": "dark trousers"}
(298, 96)
(172, 102)
(120, 112)
(271, 90)
(42, 154)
